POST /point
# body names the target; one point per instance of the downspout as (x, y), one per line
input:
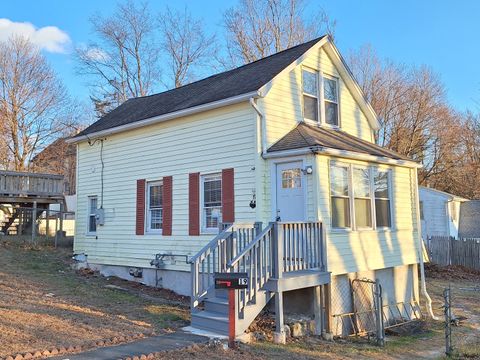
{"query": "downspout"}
(423, 284)
(263, 130)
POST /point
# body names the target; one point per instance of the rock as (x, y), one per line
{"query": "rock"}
(327, 336)
(62, 349)
(28, 356)
(9, 358)
(245, 338)
(54, 351)
(46, 353)
(18, 357)
(311, 327)
(297, 330)
(37, 354)
(259, 336)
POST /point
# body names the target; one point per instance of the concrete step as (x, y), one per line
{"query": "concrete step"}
(216, 304)
(211, 321)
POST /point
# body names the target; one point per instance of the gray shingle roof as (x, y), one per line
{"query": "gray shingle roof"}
(242, 80)
(310, 136)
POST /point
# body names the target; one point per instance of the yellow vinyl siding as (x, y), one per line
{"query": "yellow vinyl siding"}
(283, 104)
(207, 142)
(351, 251)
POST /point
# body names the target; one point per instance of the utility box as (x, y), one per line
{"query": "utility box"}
(100, 216)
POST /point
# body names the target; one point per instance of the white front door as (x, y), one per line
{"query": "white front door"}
(290, 194)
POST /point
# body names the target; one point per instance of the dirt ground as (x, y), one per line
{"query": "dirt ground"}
(45, 304)
(427, 343)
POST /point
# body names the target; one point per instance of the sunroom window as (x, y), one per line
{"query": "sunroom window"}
(362, 192)
(382, 199)
(340, 196)
(362, 197)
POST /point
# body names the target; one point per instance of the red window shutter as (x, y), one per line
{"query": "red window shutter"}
(167, 205)
(140, 218)
(194, 204)
(228, 196)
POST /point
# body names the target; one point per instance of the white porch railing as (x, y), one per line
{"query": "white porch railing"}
(280, 248)
(216, 255)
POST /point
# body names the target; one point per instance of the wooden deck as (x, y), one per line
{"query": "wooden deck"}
(24, 187)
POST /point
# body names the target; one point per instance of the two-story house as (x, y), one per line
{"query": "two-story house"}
(280, 155)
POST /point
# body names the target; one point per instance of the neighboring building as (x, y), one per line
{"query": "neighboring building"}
(469, 226)
(289, 137)
(58, 158)
(439, 212)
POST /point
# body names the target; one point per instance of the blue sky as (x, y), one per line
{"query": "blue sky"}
(440, 34)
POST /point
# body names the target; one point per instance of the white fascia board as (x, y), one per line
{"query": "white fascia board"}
(345, 73)
(266, 88)
(343, 154)
(165, 117)
(352, 84)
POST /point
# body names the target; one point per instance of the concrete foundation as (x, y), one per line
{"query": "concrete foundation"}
(399, 284)
(177, 281)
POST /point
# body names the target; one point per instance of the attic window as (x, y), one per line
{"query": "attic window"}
(330, 96)
(310, 94)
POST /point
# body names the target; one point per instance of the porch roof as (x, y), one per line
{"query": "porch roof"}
(310, 136)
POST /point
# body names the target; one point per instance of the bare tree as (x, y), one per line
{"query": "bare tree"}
(32, 102)
(122, 63)
(258, 28)
(185, 44)
(417, 120)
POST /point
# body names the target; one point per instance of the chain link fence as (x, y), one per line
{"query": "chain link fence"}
(358, 309)
(37, 225)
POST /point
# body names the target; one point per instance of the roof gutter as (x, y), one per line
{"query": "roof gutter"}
(263, 125)
(165, 117)
(343, 154)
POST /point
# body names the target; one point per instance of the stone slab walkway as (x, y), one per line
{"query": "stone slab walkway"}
(176, 340)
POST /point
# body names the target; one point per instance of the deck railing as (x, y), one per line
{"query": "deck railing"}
(30, 184)
(280, 248)
(216, 255)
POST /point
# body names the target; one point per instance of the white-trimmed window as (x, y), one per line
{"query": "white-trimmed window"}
(362, 197)
(330, 99)
(211, 202)
(356, 194)
(310, 94)
(92, 213)
(382, 198)
(154, 206)
(340, 196)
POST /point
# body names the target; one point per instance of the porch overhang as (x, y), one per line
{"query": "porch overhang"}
(341, 154)
(307, 139)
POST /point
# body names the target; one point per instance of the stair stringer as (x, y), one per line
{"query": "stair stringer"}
(252, 310)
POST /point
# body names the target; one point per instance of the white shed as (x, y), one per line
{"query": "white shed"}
(439, 212)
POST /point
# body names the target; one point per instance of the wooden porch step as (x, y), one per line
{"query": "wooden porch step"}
(210, 320)
(298, 280)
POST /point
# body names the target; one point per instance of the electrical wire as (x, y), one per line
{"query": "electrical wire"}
(102, 166)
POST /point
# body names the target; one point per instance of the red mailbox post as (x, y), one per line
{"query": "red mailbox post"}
(231, 282)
